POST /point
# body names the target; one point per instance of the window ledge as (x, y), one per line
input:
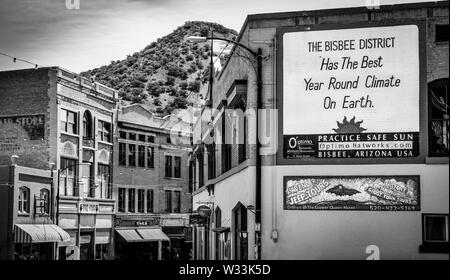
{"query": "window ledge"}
(434, 247)
(23, 214)
(436, 160)
(173, 178)
(69, 134)
(104, 142)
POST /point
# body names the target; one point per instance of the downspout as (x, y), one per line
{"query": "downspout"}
(258, 157)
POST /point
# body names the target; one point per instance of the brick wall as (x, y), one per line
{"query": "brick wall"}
(153, 178)
(25, 93)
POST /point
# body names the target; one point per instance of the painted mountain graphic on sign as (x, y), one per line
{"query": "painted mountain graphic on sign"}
(340, 190)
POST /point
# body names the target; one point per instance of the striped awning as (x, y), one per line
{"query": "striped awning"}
(142, 235)
(39, 233)
(130, 235)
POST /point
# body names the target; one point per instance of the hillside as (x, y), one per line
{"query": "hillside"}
(167, 74)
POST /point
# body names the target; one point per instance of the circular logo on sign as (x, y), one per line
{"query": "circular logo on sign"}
(204, 210)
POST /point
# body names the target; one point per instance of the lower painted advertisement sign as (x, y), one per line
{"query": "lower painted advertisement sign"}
(374, 193)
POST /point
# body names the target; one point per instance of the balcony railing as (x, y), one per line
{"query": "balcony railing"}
(88, 142)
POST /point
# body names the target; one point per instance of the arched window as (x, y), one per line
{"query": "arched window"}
(438, 118)
(240, 232)
(24, 200)
(87, 125)
(45, 201)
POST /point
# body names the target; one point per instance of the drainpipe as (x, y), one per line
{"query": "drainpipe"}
(258, 157)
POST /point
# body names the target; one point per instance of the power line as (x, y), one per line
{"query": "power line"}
(15, 59)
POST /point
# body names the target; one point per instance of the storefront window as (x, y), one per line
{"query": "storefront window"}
(101, 252)
(33, 251)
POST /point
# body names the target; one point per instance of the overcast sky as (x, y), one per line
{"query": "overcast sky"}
(47, 33)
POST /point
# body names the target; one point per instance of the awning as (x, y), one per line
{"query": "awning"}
(38, 233)
(130, 235)
(142, 235)
(153, 234)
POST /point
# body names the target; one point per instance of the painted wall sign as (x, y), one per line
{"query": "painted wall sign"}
(33, 125)
(377, 193)
(351, 93)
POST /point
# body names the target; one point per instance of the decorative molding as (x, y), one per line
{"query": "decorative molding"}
(103, 156)
(69, 149)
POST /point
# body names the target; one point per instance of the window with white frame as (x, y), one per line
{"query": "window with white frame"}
(104, 131)
(24, 200)
(68, 121)
(103, 175)
(67, 184)
(44, 201)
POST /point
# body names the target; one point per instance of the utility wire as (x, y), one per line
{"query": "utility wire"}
(15, 59)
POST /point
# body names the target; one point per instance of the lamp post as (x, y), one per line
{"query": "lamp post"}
(258, 56)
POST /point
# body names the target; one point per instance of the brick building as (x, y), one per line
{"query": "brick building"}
(322, 194)
(151, 185)
(50, 115)
(27, 226)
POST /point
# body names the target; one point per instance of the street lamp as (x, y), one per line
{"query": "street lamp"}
(258, 56)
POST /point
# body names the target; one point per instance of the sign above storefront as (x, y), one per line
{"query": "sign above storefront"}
(351, 93)
(196, 219)
(375, 193)
(124, 222)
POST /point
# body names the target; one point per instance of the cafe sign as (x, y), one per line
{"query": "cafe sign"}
(374, 193)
